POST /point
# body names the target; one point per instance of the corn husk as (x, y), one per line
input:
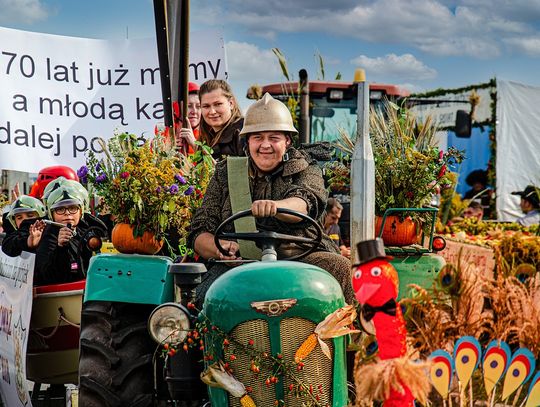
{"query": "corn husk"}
(215, 375)
(338, 323)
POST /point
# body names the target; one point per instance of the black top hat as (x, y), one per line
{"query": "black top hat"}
(369, 250)
(530, 194)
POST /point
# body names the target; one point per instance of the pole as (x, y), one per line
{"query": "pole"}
(304, 107)
(362, 173)
(163, 59)
(172, 34)
(178, 41)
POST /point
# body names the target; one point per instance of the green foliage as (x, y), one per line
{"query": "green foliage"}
(321, 65)
(282, 63)
(491, 84)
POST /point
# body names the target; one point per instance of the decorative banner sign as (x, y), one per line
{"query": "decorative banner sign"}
(444, 107)
(60, 95)
(16, 278)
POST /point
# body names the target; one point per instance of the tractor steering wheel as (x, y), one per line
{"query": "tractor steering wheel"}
(267, 239)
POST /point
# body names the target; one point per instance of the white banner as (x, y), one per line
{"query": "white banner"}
(16, 278)
(59, 95)
(518, 141)
(444, 112)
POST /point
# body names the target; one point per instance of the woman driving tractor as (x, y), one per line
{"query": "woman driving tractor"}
(279, 176)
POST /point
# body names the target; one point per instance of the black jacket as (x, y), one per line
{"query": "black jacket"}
(230, 142)
(16, 241)
(56, 264)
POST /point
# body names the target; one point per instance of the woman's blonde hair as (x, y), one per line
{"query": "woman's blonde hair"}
(210, 86)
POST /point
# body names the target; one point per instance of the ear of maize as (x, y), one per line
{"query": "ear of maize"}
(306, 348)
(247, 401)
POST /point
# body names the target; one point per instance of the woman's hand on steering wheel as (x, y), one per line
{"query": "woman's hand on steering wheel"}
(267, 238)
(264, 208)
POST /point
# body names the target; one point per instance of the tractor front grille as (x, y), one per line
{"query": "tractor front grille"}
(317, 371)
(256, 329)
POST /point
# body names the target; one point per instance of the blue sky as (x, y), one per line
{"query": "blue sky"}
(420, 44)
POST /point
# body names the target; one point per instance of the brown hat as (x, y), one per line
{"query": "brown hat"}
(369, 250)
(530, 194)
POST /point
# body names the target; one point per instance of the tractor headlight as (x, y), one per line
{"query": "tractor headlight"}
(169, 323)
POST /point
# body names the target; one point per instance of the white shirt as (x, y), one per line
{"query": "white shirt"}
(531, 218)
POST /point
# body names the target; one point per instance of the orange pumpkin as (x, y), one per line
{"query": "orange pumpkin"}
(123, 241)
(397, 232)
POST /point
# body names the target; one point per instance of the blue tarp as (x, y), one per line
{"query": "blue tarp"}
(477, 153)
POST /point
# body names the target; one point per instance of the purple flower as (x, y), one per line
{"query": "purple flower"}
(158, 190)
(180, 179)
(98, 166)
(190, 190)
(82, 172)
(124, 175)
(101, 178)
(173, 189)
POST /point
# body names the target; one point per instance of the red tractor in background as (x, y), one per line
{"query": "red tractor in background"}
(326, 106)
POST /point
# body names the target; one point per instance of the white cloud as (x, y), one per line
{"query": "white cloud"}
(411, 87)
(515, 10)
(22, 11)
(404, 66)
(477, 28)
(249, 63)
(527, 45)
(478, 48)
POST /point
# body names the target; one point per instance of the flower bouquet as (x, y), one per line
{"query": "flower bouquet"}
(148, 186)
(409, 167)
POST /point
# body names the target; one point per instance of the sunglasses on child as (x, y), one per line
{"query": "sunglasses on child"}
(62, 210)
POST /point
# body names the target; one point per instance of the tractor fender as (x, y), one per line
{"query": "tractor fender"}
(129, 278)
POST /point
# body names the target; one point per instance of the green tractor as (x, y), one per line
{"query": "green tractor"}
(417, 263)
(272, 305)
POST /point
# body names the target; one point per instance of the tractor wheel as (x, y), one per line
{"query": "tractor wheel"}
(115, 363)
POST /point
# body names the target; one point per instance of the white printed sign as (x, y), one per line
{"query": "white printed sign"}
(16, 278)
(60, 95)
(443, 109)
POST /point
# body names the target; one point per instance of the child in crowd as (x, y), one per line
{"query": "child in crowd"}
(27, 226)
(63, 253)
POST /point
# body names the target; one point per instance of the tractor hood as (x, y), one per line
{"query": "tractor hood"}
(266, 290)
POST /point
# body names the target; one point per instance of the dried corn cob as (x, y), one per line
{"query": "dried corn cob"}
(338, 323)
(306, 348)
(247, 401)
